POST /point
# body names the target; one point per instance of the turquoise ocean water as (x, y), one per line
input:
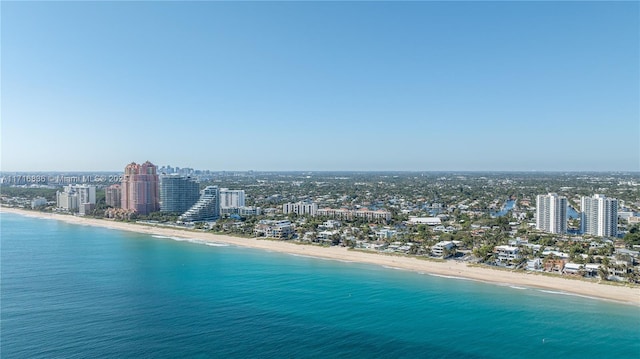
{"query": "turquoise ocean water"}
(70, 291)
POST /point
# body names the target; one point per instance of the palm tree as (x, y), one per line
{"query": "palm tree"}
(603, 272)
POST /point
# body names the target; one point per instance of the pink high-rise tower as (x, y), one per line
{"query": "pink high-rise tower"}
(140, 189)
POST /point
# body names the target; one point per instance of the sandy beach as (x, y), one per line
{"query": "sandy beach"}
(618, 293)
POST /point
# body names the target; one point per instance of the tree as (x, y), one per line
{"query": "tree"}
(449, 252)
(633, 236)
(603, 272)
(335, 239)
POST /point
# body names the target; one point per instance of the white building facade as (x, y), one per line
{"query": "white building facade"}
(551, 213)
(300, 208)
(231, 198)
(206, 209)
(75, 195)
(599, 216)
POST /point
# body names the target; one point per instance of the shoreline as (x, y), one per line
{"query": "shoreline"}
(564, 286)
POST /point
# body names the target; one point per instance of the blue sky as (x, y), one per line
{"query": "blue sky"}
(321, 85)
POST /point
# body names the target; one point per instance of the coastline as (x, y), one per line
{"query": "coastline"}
(616, 293)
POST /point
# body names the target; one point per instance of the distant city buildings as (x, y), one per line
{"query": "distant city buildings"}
(231, 198)
(300, 208)
(178, 193)
(175, 170)
(599, 216)
(140, 188)
(551, 213)
(207, 208)
(113, 196)
(182, 171)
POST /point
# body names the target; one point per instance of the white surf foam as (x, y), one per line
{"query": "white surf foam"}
(192, 240)
(214, 244)
(567, 294)
(516, 287)
(396, 268)
(450, 277)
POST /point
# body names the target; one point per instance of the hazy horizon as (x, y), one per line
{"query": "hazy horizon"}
(61, 172)
(289, 86)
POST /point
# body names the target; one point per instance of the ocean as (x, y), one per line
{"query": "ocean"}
(71, 291)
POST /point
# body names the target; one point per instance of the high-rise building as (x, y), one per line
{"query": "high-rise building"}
(178, 193)
(231, 198)
(38, 202)
(113, 196)
(66, 200)
(86, 194)
(75, 195)
(140, 190)
(599, 216)
(551, 213)
(207, 208)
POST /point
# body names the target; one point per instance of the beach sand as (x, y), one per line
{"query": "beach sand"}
(618, 293)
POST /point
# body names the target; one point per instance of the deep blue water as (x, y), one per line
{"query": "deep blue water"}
(71, 291)
(572, 213)
(508, 205)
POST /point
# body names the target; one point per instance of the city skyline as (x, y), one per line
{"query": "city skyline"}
(371, 86)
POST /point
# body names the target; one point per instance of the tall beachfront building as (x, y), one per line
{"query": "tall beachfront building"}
(551, 213)
(113, 196)
(599, 216)
(231, 198)
(140, 188)
(207, 208)
(75, 195)
(178, 193)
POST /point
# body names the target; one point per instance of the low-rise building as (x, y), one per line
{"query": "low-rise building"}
(573, 269)
(430, 221)
(273, 229)
(249, 211)
(300, 208)
(554, 265)
(507, 254)
(443, 249)
(330, 224)
(241, 211)
(386, 233)
(534, 264)
(347, 214)
(591, 270)
(619, 269)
